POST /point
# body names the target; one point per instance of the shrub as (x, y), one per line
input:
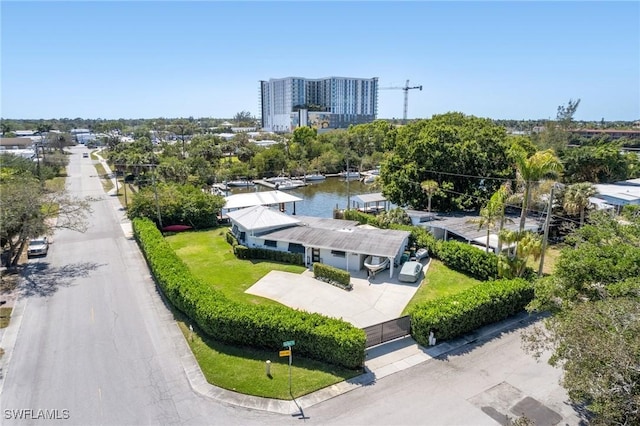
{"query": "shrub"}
(327, 339)
(327, 272)
(466, 258)
(454, 315)
(243, 252)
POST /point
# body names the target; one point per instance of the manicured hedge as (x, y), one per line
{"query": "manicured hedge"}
(243, 252)
(328, 272)
(454, 315)
(319, 337)
(466, 258)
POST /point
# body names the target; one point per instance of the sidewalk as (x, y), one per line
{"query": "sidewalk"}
(381, 361)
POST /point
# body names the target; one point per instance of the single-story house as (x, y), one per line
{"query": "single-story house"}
(619, 194)
(338, 243)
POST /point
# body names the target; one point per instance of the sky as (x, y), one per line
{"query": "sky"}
(148, 59)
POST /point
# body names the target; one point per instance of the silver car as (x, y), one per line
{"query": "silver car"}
(38, 247)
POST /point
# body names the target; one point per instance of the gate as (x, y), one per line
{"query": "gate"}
(388, 330)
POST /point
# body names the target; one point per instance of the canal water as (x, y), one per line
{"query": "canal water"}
(319, 198)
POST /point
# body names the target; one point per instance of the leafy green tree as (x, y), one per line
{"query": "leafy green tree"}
(576, 198)
(27, 211)
(183, 128)
(396, 216)
(531, 170)
(565, 113)
(451, 147)
(179, 205)
(594, 298)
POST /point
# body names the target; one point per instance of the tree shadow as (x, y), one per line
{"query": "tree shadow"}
(42, 280)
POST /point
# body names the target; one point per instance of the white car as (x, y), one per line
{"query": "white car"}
(38, 247)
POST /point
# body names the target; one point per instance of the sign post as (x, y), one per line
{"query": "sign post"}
(288, 344)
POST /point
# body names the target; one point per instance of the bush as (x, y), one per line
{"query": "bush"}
(326, 272)
(327, 339)
(454, 315)
(231, 239)
(243, 252)
(466, 258)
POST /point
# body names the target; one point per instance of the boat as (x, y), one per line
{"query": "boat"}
(315, 177)
(369, 179)
(376, 263)
(350, 175)
(289, 184)
(240, 183)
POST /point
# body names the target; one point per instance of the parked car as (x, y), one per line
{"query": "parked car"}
(38, 247)
(85, 155)
(411, 271)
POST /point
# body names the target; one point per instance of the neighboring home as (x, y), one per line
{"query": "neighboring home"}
(620, 193)
(21, 147)
(338, 243)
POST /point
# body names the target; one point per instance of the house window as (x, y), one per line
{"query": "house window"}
(296, 248)
(337, 253)
(270, 243)
(234, 229)
(242, 236)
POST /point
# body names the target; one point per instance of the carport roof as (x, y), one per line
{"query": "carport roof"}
(260, 217)
(374, 197)
(260, 198)
(376, 242)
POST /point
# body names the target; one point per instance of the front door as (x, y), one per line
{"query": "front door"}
(315, 255)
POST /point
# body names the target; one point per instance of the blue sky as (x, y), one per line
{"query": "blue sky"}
(502, 60)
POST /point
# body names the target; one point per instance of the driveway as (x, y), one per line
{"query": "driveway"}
(370, 302)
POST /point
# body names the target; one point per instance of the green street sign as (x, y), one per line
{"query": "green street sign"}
(288, 343)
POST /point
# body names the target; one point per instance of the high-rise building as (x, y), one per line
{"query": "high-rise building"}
(324, 103)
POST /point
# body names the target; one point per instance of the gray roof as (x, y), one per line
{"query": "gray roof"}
(324, 223)
(376, 242)
(463, 226)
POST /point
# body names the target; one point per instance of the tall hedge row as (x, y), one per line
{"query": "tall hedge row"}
(319, 337)
(454, 315)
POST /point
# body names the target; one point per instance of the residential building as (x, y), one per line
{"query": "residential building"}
(338, 243)
(325, 103)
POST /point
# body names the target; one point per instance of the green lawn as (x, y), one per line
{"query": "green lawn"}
(211, 259)
(244, 369)
(440, 281)
(5, 317)
(550, 258)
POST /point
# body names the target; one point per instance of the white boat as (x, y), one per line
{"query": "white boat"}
(240, 183)
(314, 177)
(369, 179)
(289, 184)
(376, 263)
(350, 175)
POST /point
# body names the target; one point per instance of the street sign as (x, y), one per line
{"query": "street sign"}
(288, 343)
(285, 353)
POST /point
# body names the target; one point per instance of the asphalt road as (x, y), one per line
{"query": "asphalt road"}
(95, 345)
(92, 341)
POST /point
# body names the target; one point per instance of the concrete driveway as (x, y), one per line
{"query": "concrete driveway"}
(370, 302)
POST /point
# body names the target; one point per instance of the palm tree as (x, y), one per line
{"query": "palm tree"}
(489, 217)
(430, 187)
(499, 201)
(540, 165)
(576, 198)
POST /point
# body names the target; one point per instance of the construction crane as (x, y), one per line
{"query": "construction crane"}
(406, 89)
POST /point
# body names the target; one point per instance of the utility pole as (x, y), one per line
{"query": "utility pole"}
(547, 221)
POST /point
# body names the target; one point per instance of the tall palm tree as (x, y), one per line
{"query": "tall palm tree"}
(576, 198)
(489, 218)
(540, 165)
(499, 201)
(430, 187)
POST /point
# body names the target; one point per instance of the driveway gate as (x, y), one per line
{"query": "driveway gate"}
(388, 330)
